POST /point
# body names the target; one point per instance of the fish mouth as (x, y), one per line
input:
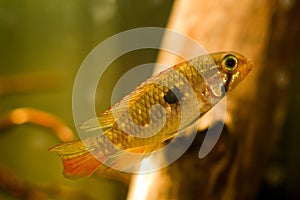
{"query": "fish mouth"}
(246, 67)
(249, 65)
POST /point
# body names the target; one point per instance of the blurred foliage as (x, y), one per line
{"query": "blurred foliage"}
(42, 46)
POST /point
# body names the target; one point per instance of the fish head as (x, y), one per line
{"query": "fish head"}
(231, 69)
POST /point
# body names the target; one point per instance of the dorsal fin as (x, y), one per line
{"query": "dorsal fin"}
(104, 121)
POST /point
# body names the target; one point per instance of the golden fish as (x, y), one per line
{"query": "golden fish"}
(156, 111)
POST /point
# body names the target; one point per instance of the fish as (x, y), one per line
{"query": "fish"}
(158, 110)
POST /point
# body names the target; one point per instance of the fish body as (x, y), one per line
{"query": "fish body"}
(157, 110)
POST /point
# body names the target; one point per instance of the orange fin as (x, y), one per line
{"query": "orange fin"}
(77, 161)
(81, 166)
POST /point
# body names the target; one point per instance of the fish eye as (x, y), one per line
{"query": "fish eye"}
(230, 62)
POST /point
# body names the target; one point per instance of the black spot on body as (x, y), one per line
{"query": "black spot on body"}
(173, 96)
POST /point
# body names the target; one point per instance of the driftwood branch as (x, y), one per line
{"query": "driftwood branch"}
(265, 31)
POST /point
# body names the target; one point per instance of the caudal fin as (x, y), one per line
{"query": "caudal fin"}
(77, 161)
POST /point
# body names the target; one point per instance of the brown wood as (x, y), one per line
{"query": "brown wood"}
(265, 31)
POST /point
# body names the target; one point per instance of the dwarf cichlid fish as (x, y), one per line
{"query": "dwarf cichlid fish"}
(153, 113)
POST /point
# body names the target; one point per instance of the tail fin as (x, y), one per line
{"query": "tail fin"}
(78, 162)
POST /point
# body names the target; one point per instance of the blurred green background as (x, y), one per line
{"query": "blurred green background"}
(42, 45)
(52, 37)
